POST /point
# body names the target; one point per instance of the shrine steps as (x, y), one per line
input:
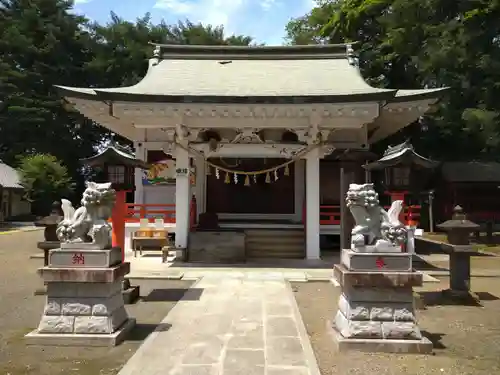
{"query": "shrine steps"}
(277, 243)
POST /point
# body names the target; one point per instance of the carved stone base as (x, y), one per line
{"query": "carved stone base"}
(85, 258)
(69, 339)
(356, 261)
(422, 346)
(83, 300)
(376, 306)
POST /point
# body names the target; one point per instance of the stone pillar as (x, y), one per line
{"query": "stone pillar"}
(140, 153)
(182, 198)
(84, 305)
(375, 310)
(312, 205)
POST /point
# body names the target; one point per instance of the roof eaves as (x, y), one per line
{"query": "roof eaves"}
(414, 95)
(114, 153)
(76, 92)
(105, 95)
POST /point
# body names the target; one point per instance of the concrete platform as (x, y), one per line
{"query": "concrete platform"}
(151, 267)
(58, 339)
(423, 346)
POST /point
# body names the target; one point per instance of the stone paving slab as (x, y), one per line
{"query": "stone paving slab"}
(239, 325)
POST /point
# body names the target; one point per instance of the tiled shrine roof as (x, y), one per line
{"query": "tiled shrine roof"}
(261, 74)
(401, 154)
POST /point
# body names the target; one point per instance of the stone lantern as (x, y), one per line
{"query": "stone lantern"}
(50, 223)
(51, 241)
(458, 231)
(117, 165)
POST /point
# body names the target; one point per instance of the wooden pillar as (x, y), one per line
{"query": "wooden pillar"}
(140, 153)
(346, 224)
(351, 172)
(118, 221)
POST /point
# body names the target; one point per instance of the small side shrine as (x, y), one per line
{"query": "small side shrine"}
(404, 171)
(117, 165)
(403, 174)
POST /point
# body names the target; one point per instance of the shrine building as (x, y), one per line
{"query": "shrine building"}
(256, 135)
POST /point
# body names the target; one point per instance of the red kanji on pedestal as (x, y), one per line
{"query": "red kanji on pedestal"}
(380, 262)
(78, 258)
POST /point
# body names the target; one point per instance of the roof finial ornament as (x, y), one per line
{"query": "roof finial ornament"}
(156, 55)
(351, 56)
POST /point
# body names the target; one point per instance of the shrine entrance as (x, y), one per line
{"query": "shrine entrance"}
(263, 194)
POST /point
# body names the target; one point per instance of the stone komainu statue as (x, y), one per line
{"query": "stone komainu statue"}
(376, 230)
(89, 223)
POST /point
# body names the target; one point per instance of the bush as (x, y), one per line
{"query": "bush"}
(45, 180)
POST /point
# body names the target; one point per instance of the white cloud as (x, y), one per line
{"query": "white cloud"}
(82, 1)
(267, 4)
(212, 12)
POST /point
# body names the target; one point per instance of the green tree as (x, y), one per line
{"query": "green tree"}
(45, 180)
(427, 43)
(307, 29)
(122, 49)
(43, 44)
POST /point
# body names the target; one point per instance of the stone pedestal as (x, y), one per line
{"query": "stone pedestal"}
(376, 311)
(84, 304)
(46, 246)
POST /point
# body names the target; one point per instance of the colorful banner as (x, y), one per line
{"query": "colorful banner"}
(163, 173)
(160, 173)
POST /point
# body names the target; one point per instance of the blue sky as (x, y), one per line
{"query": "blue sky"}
(264, 20)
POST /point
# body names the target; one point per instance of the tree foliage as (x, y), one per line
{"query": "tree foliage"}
(122, 48)
(425, 43)
(44, 43)
(45, 180)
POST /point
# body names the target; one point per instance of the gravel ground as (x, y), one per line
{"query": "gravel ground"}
(466, 338)
(478, 263)
(20, 313)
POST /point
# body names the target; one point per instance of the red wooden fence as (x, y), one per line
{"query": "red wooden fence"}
(329, 214)
(136, 212)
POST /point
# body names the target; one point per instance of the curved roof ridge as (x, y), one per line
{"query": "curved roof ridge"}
(282, 52)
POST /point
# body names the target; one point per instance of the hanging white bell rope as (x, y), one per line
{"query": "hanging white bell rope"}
(254, 174)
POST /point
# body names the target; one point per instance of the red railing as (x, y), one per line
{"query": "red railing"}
(136, 212)
(329, 215)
